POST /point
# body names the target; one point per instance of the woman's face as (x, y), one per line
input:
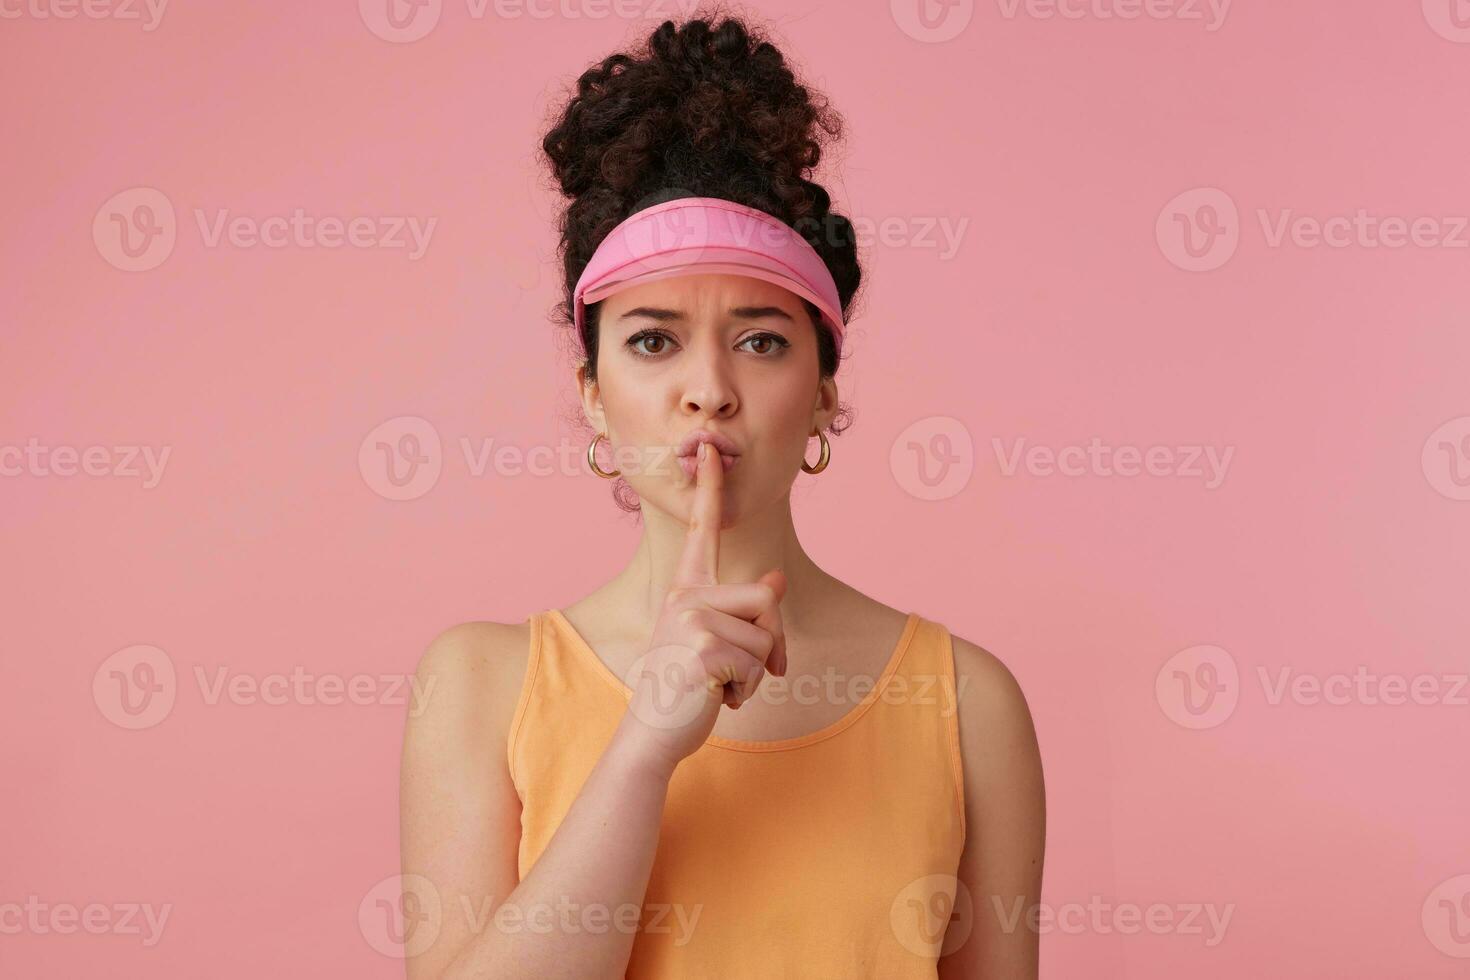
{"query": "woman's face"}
(726, 353)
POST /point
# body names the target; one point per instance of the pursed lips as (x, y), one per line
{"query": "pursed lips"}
(688, 448)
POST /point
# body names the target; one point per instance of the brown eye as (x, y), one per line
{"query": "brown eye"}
(637, 339)
(773, 343)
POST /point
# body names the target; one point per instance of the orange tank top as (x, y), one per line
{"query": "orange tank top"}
(855, 830)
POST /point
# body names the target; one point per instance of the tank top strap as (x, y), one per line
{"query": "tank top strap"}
(567, 696)
(921, 697)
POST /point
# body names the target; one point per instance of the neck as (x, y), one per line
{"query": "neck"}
(758, 543)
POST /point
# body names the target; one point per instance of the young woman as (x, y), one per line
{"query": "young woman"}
(577, 801)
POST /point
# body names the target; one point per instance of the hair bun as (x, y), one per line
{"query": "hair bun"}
(697, 110)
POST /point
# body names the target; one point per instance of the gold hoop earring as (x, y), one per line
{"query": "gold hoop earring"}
(821, 460)
(592, 460)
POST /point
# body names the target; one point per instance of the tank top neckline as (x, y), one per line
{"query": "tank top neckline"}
(911, 626)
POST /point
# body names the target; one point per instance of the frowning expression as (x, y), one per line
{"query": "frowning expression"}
(712, 356)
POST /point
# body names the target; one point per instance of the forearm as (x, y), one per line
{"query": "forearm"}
(577, 911)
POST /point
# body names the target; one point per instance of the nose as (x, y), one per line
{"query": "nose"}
(714, 401)
(707, 389)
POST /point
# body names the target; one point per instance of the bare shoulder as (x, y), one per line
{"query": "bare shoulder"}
(1004, 797)
(459, 822)
(997, 734)
(471, 673)
(984, 681)
(473, 644)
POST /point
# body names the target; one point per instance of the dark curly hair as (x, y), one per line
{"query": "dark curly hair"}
(698, 110)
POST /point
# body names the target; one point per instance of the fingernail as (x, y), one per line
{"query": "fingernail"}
(702, 447)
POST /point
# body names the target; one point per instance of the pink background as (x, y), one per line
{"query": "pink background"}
(1335, 541)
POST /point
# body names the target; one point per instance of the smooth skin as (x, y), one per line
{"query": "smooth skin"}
(715, 595)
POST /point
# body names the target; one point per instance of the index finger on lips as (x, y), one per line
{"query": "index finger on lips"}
(699, 564)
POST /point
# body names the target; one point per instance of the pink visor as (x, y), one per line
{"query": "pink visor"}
(693, 235)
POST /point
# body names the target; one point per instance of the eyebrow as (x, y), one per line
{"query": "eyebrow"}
(739, 312)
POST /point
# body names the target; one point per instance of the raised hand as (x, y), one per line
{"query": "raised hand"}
(712, 643)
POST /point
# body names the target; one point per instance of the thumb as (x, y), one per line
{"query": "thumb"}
(776, 663)
(776, 579)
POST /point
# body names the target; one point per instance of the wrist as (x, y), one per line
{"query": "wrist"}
(636, 754)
